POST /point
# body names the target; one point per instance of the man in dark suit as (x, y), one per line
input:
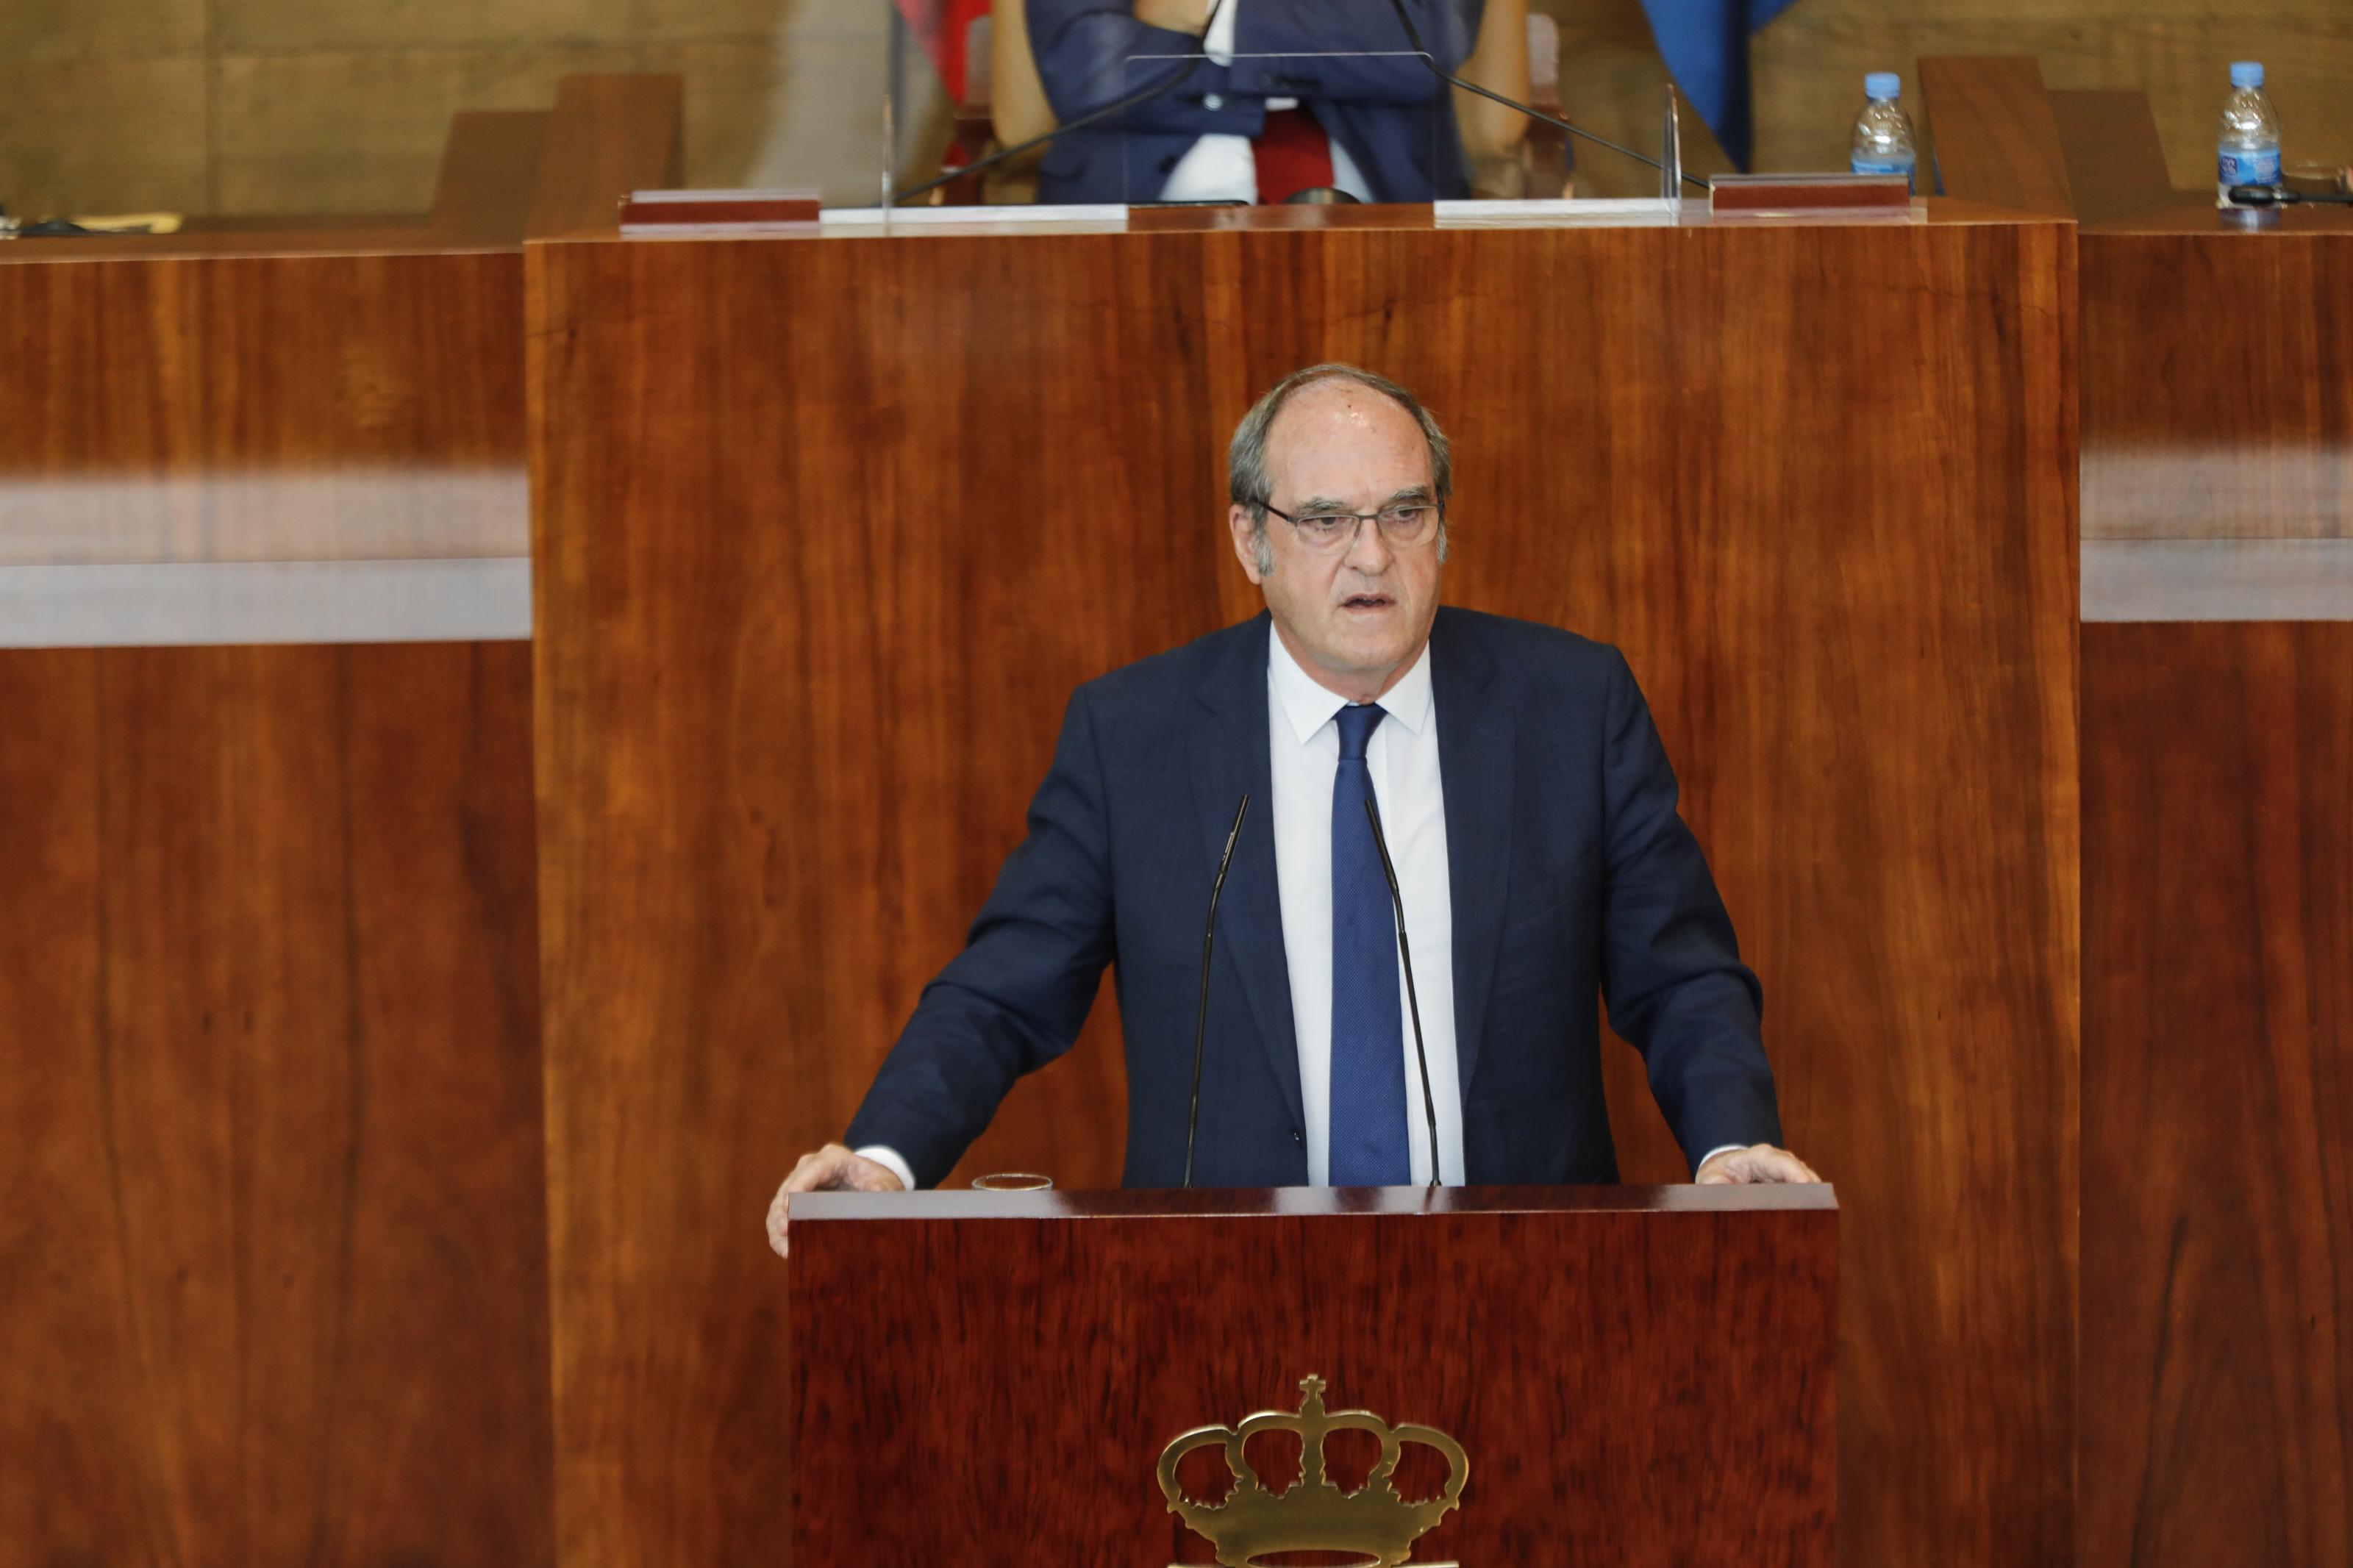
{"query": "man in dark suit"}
(1273, 108)
(1524, 800)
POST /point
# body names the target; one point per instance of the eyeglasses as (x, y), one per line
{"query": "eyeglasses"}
(1402, 527)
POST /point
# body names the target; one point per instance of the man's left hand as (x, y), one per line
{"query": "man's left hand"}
(1758, 1163)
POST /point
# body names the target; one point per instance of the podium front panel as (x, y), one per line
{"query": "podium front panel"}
(1635, 1375)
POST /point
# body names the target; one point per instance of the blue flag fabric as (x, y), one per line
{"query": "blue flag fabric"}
(1706, 43)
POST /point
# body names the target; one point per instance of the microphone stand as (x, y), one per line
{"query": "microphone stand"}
(1201, 1014)
(1412, 998)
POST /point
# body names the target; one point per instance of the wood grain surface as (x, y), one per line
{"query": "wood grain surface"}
(272, 1289)
(263, 407)
(829, 527)
(2218, 1088)
(2115, 161)
(489, 174)
(1996, 140)
(2218, 376)
(608, 135)
(1630, 1385)
(286, 390)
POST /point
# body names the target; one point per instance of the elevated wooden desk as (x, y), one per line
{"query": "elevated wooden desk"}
(2218, 887)
(2218, 360)
(276, 391)
(2217, 1363)
(269, 1097)
(828, 527)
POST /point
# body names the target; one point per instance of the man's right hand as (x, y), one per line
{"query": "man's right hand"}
(831, 1169)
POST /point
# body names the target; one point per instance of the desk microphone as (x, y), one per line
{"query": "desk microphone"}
(1413, 36)
(1135, 99)
(1209, 946)
(1412, 999)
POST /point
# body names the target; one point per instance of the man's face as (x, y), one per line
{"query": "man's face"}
(1355, 615)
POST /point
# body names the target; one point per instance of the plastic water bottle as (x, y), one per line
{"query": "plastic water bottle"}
(2248, 142)
(1884, 144)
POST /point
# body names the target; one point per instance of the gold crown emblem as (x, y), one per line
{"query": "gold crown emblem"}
(1373, 1522)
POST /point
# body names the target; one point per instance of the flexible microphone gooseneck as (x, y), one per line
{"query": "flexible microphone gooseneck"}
(1412, 998)
(1413, 36)
(1135, 99)
(1209, 946)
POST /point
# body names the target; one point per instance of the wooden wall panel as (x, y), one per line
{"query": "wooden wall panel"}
(65, 1393)
(2218, 1088)
(829, 527)
(271, 1268)
(1997, 140)
(489, 174)
(2115, 162)
(2201, 419)
(608, 136)
(218, 407)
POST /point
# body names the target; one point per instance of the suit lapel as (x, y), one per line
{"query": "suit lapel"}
(1228, 755)
(1474, 760)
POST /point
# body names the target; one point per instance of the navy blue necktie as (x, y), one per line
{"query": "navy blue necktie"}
(1368, 1146)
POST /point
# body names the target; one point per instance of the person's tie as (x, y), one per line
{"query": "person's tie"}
(1368, 1137)
(1291, 154)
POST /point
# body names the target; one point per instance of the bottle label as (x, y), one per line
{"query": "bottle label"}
(1903, 166)
(2248, 166)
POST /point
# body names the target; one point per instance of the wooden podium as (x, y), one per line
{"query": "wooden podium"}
(1635, 1375)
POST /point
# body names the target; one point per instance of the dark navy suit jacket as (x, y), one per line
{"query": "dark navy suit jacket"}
(1570, 873)
(1395, 119)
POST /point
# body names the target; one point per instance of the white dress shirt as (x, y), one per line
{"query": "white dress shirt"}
(1402, 758)
(1303, 747)
(1220, 168)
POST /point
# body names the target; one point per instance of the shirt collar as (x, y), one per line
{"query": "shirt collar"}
(1310, 705)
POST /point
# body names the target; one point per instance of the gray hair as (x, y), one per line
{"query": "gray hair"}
(1247, 484)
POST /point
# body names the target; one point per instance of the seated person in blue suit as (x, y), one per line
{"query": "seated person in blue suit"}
(1526, 802)
(1241, 126)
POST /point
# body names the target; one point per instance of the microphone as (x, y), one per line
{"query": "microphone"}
(1170, 83)
(1413, 36)
(1209, 946)
(1412, 998)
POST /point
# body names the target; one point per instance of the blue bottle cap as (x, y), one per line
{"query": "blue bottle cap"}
(1888, 85)
(2246, 73)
